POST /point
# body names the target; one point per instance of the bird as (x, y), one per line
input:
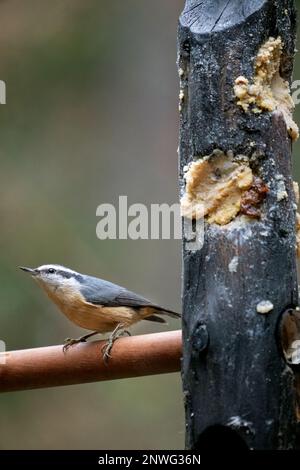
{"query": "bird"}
(95, 304)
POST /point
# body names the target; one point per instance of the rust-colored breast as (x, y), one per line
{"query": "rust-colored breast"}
(90, 316)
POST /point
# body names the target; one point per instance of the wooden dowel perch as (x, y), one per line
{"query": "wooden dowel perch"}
(131, 357)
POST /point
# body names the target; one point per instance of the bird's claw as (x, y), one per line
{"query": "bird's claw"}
(70, 342)
(125, 333)
(106, 349)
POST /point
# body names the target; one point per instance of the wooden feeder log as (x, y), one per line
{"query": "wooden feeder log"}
(237, 386)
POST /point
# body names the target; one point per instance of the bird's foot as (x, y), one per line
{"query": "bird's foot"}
(70, 342)
(106, 350)
(117, 333)
(124, 333)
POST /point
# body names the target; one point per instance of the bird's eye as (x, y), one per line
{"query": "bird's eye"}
(51, 271)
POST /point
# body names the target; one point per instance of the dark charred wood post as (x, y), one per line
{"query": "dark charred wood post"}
(237, 386)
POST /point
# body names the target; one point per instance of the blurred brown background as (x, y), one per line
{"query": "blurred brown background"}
(91, 114)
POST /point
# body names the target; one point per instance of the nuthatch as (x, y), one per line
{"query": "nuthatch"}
(95, 304)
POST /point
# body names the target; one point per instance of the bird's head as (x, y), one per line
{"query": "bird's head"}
(53, 276)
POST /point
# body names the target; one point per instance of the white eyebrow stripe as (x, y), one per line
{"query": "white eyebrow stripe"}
(57, 266)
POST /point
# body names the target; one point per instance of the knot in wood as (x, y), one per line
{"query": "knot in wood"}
(200, 339)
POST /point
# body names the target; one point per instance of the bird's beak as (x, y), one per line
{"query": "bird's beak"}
(31, 271)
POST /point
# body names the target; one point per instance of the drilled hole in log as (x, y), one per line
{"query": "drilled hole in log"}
(289, 336)
(220, 437)
(289, 344)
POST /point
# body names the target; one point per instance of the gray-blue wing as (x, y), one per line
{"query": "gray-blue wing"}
(100, 292)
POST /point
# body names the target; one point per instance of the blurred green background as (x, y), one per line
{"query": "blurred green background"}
(91, 114)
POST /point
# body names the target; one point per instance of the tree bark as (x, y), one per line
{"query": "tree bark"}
(238, 389)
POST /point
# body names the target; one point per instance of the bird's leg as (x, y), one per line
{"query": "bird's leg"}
(70, 342)
(124, 333)
(117, 332)
(85, 337)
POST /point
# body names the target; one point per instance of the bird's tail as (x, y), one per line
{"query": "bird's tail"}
(155, 311)
(170, 313)
(164, 311)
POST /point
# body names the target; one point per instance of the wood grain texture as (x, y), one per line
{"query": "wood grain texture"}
(135, 356)
(242, 374)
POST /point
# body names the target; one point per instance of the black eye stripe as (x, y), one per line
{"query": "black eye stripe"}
(65, 274)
